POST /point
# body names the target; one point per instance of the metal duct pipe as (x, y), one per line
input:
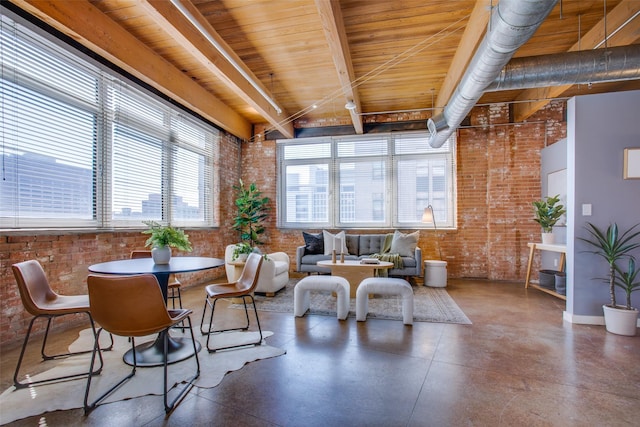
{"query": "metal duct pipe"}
(513, 22)
(569, 68)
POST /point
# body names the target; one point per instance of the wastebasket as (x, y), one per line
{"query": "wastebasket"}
(435, 273)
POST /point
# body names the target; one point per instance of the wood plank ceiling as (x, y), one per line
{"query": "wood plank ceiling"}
(312, 56)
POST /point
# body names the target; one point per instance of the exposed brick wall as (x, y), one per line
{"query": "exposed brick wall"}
(498, 177)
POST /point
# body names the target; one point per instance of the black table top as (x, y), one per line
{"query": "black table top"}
(177, 264)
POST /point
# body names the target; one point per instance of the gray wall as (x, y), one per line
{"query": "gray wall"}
(599, 127)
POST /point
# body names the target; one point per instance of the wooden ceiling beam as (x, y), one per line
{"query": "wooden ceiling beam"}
(628, 34)
(93, 29)
(165, 14)
(471, 38)
(336, 35)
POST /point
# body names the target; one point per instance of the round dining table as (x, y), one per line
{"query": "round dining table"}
(180, 348)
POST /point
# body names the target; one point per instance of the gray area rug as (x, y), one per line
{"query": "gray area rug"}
(25, 402)
(429, 305)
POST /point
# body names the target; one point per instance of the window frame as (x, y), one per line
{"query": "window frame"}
(174, 148)
(446, 218)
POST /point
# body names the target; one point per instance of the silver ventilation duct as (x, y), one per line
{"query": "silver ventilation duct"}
(513, 22)
(569, 68)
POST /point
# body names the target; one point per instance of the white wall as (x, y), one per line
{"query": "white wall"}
(599, 127)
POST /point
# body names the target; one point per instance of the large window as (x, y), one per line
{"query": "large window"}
(83, 147)
(374, 181)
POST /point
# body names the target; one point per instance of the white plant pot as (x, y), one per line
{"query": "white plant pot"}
(547, 238)
(620, 321)
(161, 255)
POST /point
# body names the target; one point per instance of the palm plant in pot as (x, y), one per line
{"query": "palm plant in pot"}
(614, 246)
(547, 212)
(164, 237)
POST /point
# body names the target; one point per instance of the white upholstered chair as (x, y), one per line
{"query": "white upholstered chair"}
(274, 274)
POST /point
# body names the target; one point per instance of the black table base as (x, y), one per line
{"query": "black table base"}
(152, 353)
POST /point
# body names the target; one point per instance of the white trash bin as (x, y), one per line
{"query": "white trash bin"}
(435, 273)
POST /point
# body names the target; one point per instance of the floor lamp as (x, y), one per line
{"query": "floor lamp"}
(428, 217)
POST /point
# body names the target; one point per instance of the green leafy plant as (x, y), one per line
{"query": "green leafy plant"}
(548, 211)
(612, 246)
(241, 248)
(252, 211)
(161, 235)
(628, 280)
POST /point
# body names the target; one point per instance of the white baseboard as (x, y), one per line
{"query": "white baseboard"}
(585, 320)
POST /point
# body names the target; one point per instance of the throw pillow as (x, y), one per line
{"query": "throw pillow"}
(313, 243)
(404, 244)
(331, 239)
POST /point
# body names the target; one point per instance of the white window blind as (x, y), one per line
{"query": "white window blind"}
(83, 147)
(369, 181)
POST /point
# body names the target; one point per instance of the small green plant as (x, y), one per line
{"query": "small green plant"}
(612, 246)
(252, 211)
(161, 235)
(241, 248)
(628, 280)
(547, 212)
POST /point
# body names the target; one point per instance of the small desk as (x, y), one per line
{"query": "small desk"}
(354, 271)
(562, 249)
(152, 354)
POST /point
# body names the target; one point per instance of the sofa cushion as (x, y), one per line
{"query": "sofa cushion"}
(404, 244)
(281, 267)
(313, 243)
(353, 244)
(330, 240)
(371, 244)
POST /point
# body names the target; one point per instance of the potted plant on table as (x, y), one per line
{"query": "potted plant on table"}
(547, 213)
(164, 237)
(241, 251)
(614, 246)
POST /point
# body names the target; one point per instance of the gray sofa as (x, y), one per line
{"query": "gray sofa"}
(359, 246)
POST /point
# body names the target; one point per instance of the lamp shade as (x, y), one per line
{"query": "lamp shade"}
(427, 215)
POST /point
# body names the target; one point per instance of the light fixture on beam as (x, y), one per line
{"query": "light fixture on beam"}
(428, 217)
(224, 53)
(350, 105)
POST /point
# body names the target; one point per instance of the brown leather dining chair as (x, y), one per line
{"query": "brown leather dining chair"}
(173, 288)
(242, 288)
(41, 301)
(143, 312)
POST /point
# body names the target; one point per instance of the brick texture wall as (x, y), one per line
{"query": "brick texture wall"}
(498, 177)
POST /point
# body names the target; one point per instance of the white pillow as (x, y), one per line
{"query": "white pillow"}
(329, 240)
(404, 244)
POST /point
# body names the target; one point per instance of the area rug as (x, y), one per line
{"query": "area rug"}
(429, 305)
(22, 403)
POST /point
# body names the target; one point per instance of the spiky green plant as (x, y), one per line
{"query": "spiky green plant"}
(547, 212)
(612, 246)
(628, 280)
(161, 235)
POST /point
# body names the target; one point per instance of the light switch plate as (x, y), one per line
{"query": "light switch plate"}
(586, 209)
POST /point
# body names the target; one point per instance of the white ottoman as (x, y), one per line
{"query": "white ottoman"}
(384, 286)
(336, 284)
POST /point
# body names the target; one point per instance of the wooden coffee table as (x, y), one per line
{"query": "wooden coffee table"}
(354, 271)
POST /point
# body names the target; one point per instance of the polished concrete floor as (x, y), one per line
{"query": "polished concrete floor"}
(519, 364)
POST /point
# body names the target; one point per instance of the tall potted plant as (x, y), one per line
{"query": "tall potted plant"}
(252, 210)
(547, 212)
(613, 247)
(162, 238)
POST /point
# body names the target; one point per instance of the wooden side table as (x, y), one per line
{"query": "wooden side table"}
(238, 266)
(562, 249)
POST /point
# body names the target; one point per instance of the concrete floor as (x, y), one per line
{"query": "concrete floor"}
(517, 365)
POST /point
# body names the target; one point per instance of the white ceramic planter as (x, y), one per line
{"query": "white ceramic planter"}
(547, 238)
(161, 255)
(619, 321)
